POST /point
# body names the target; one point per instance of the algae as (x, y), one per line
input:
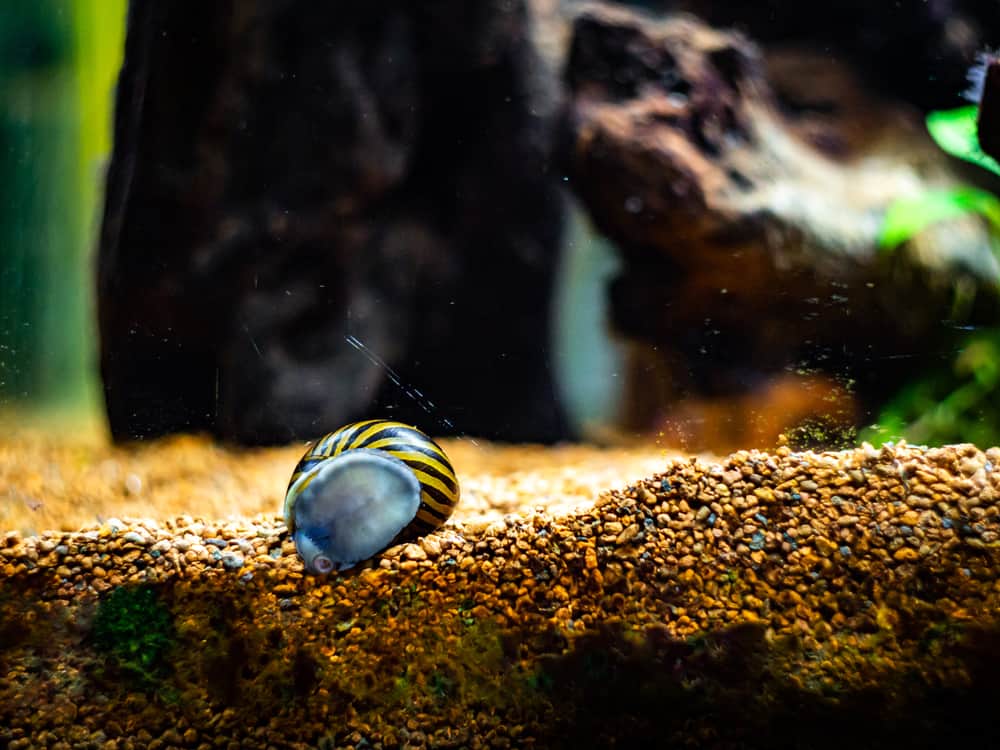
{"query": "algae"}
(136, 630)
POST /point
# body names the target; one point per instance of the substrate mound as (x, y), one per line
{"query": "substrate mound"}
(764, 600)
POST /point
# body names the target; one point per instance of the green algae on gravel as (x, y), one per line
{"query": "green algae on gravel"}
(135, 628)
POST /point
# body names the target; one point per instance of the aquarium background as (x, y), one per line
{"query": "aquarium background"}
(58, 67)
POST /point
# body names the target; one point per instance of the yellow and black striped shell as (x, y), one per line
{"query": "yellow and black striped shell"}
(361, 489)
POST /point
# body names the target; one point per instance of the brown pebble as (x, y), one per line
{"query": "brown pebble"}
(414, 552)
(431, 545)
(628, 534)
(825, 547)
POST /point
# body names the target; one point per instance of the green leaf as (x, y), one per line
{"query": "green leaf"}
(909, 216)
(955, 131)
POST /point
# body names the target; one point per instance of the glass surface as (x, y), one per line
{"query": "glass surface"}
(698, 302)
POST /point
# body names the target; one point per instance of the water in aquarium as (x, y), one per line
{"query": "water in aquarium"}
(499, 374)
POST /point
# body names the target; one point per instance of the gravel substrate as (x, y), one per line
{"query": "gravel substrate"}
(80, 481)
(764, 600)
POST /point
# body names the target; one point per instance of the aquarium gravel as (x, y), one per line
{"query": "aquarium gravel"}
(760, 600)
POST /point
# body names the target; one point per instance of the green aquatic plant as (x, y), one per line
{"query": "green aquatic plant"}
(958, 404)
(909, 216)
(135, 629)
(955, 132)
(960, 401)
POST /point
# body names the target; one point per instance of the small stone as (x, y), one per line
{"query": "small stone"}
(906, 554)
(182, 544)
(628, 534)
(244, 545)
(848, 520)
(133, 484)
(414, 552)
(431, 545)
(232, 560)
(970, 466)
(134, 537)
(825, 547)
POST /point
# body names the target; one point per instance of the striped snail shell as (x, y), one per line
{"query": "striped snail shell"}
(360, 489)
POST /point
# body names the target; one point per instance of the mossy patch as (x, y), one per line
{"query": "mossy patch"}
(135, 629)
(823, 433)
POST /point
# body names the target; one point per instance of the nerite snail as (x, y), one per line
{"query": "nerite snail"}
(362, 488)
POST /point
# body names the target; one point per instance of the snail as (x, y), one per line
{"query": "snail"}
(364, 487)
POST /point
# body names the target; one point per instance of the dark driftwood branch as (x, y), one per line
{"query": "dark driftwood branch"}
(989, 110)
(284, 176)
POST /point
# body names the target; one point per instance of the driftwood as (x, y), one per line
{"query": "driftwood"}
(989, 109)
(748, 219)
(284, 179)
(286, 176)
(911, 50)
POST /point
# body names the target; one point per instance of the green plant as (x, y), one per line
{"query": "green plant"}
(955, 132)
(135, 629)
(959, 402)
(909, 216)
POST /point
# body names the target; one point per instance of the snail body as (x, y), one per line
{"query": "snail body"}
(360, 489)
